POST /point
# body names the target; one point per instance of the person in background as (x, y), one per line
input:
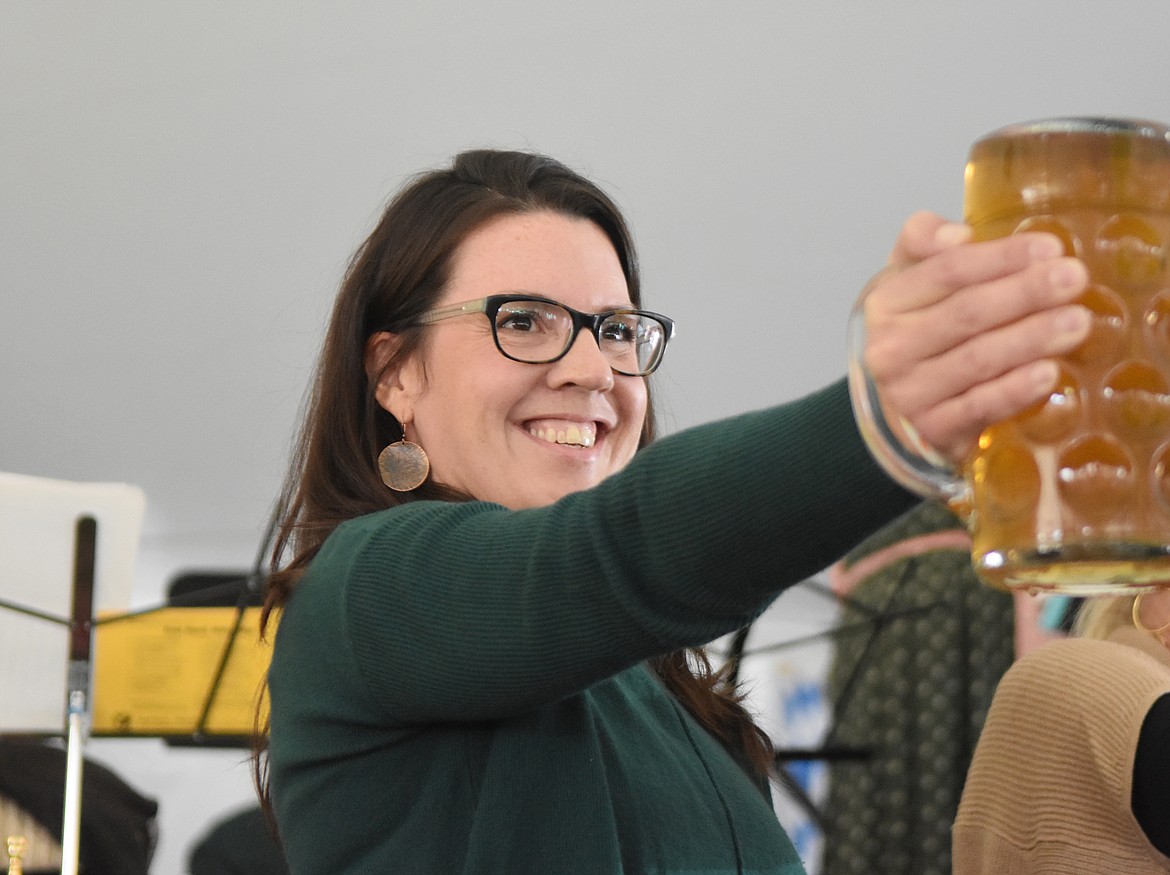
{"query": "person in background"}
(118, 830)
(921, 645)
(1072, 771)
(491, 579)
(240, 843)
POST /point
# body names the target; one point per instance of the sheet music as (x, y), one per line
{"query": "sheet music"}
(38, 519)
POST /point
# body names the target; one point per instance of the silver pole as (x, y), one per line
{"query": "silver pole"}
(71, 826)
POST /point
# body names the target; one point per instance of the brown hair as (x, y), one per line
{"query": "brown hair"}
(396, 274)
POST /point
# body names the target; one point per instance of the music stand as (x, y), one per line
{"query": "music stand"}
(77, 698)
(65, 549)
(206, 636)
(239, 666)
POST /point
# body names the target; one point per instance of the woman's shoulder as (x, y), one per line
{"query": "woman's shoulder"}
(411, 518)
(1072, 655)
(1087, 669)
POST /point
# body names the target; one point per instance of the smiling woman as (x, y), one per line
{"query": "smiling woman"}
(494, 579)
(471, 395)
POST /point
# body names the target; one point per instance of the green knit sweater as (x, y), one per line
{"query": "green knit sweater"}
(461, 688)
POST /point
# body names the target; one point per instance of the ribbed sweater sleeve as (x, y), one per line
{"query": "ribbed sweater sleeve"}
(1050, 784)
(470, 611)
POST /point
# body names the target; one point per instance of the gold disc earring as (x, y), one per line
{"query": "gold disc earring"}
(403, 466)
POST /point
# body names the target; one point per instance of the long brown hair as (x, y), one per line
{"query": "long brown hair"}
(396, 274)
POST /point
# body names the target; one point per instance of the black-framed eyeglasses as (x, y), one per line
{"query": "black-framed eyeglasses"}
(536, 330)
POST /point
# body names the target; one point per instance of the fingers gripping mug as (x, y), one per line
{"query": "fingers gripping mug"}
(1073, 494)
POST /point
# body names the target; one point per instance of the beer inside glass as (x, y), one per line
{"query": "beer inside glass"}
(1074, 494)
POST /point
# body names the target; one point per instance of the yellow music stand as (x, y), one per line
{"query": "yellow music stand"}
(180, 673)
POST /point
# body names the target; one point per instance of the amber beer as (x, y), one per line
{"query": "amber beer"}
(1075, 493)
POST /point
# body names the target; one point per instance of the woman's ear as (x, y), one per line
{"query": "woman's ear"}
(396, 384)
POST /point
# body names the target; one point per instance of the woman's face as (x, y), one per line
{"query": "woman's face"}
(522, 435)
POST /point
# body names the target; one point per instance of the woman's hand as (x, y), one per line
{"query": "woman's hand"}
(961, 335)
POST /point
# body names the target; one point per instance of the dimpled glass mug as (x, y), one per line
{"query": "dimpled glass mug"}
(1072, 495)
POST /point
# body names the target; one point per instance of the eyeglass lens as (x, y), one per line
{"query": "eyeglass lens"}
(539, 331)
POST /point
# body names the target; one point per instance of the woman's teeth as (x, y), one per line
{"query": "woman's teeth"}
(571, 435)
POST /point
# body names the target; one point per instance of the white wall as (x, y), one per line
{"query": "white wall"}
(181, 185)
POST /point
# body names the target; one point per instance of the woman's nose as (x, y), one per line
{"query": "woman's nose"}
(583, 365)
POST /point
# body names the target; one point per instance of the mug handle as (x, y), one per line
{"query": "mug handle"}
(900, 451)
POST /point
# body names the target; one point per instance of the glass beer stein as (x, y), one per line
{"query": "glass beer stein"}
(1072, 495)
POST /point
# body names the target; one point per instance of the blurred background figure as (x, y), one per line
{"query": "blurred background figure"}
(239, 844)
(1072, 771)
(118, 832)
(921, 646)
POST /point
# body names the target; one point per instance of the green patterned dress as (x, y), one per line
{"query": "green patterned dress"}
(922, 646)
